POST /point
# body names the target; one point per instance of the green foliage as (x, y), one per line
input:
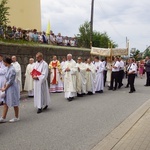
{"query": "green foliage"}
(84, 35)
(147, 53)
(99, 39)
(4, 13)
(137, 55)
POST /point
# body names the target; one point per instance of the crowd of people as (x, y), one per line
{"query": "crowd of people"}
(14, 33)
(74, 78)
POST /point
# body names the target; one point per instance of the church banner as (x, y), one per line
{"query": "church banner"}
(119, 51)
(109, 51)
(100, 51)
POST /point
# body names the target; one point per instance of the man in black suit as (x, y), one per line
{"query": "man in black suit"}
(147, 68)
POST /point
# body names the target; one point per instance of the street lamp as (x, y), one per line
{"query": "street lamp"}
(91, 23)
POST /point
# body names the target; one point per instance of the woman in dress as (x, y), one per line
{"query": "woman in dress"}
(109, 70)
(141, 68)
(11, 91)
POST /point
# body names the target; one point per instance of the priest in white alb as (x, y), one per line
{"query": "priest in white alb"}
(17, 67)
(81, 77)
(3, 70)
(99, 85)
(29, 86)
(90, 77)
(41, 91)
(62, 64)
(56, 84)
(70, 70)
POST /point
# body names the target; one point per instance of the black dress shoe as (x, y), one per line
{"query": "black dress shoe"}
(90, 93)
(39, 111)
(45, 107)
(101, 91)
(2, 103)
(30, 96)
(79, 95)
(146, 85)
(110, 89)
(126, 86)
(120, 86)
(131, 92)
(114, 89)
(69, 99)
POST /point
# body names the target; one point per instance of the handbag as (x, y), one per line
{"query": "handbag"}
(2, 95)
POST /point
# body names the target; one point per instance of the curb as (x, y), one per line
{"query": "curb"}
(111, 140)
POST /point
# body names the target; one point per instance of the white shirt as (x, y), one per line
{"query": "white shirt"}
(52, 38)
(104, 63)
(121, 65)
(72, 43)
(116, 64)
(132, 67)
(59, 39)
(66, 42)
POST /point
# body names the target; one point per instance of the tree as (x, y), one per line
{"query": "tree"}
(99, 39)
(136, 54)
(84, 35)
(147, 52)
(4, 13)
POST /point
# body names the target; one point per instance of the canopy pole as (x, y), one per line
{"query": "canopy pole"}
(111, 52)
(91, 23)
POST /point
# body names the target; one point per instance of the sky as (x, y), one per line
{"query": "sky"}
(120, 19)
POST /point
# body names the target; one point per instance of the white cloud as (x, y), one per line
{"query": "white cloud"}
(118, 18)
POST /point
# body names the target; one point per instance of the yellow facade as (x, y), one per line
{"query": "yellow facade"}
(25, 14)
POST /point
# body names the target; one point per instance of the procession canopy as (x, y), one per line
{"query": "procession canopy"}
(108, 51)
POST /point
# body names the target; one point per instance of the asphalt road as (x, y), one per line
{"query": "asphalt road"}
(76, 125)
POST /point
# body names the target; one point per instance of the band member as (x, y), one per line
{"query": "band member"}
(114, 75)
(131, 74)
(121, 72)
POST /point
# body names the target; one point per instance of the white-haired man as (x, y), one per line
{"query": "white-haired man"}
(17, 67)
(70, 70)
(29, 85)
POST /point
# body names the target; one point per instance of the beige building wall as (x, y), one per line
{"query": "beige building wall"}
(25, 14)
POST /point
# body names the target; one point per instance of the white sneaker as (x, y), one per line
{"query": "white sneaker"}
(2, 120)
(14, 120)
